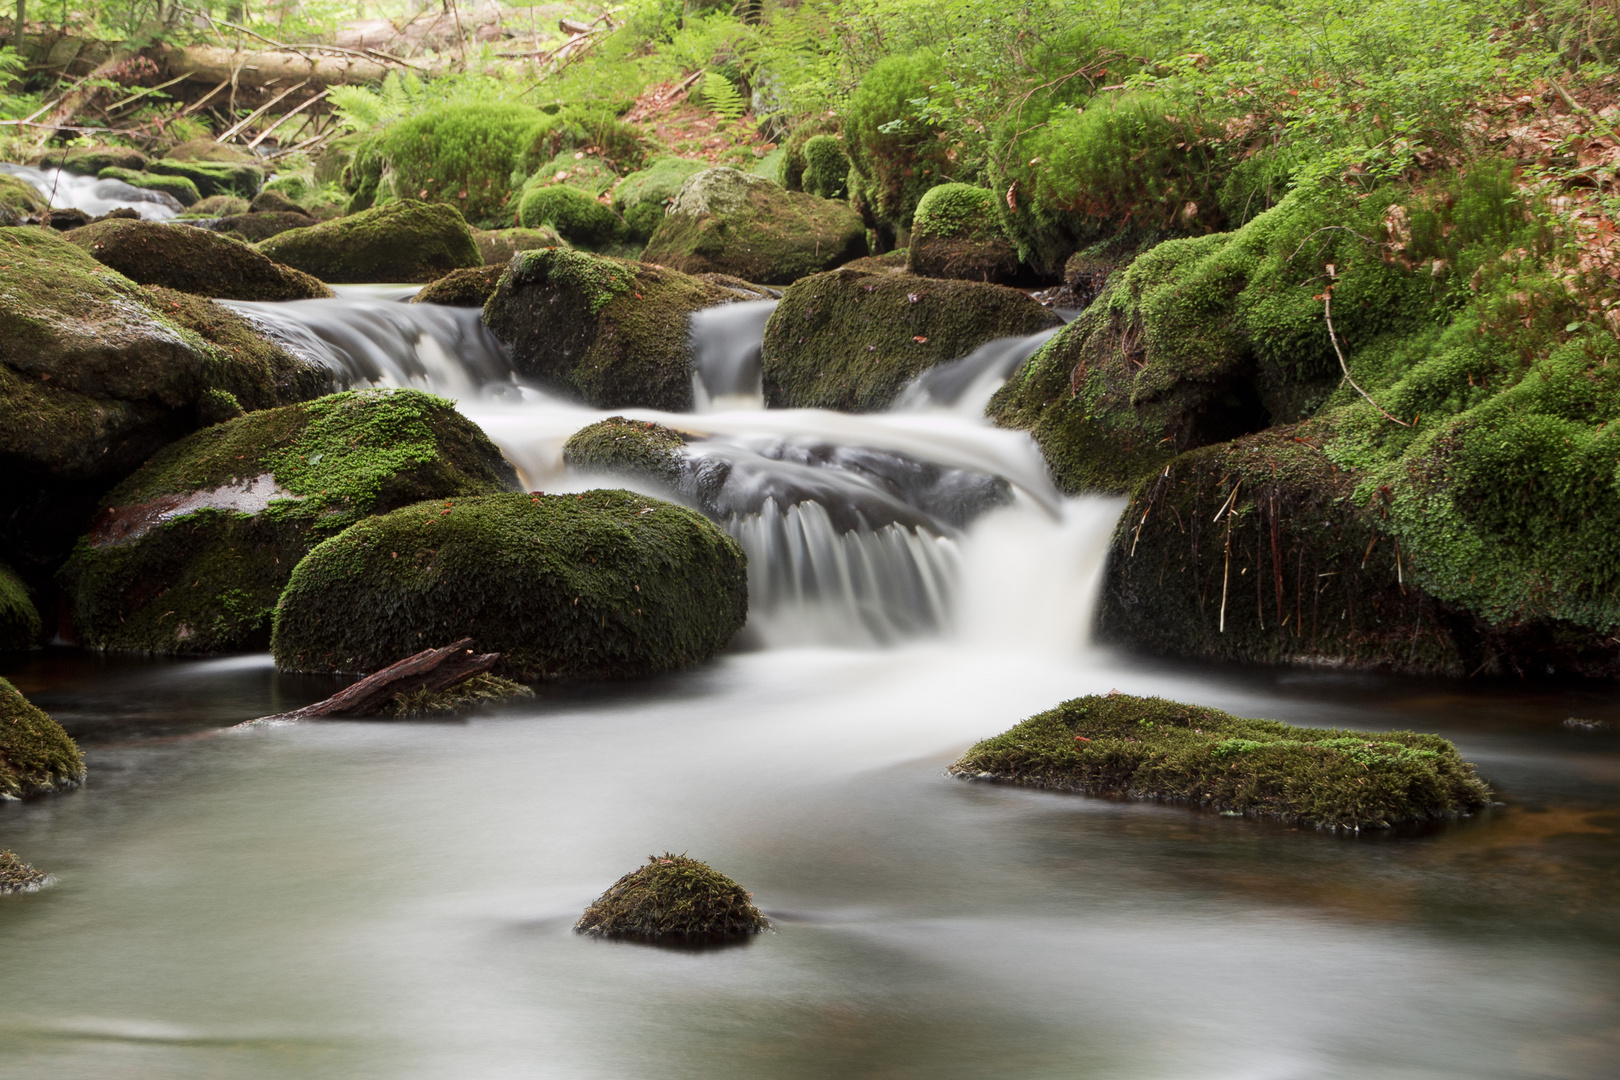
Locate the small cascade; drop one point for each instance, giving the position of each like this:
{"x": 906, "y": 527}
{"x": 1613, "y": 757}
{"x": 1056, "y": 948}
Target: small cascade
{"x": 71, "y": 191}
{"x": 966, "y": 385}
{"x": 727, "y": 343}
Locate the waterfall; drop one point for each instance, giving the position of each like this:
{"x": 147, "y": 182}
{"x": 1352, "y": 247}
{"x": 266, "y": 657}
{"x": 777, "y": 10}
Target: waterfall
{"x": 727, "y": 343}
{"x": 70, "y": 191}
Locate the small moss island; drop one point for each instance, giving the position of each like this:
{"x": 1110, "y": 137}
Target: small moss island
{"x": 1152, "y": 748}
{"x": 675, "y": 900}
{"x": 17, "y": 876}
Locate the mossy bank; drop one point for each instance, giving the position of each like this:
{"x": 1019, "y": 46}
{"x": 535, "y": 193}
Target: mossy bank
{"x": 36, "y": 756}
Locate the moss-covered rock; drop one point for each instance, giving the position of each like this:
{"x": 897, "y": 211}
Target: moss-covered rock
{"x": 20, "y": 624}
{"x": 405, "y": 241}
{"x": 205, "y": 148}
{"x": 180, "y": 188}
{"x": 463, "y": 156}
{"x": 36, "y": 756}
{"x": 471, "y": 287}
{"x": 19, "y": 196}
{"x": 642, "y": 197}
{"x": 255, "y": 228}
{"x": 213, "y": 177}
{"x": 189, "y": 554}
{"x": 578, "y": 169}
{"x": 890, "y": 262}
{"x": 271, "y": 201}
{"x": 604, "y": 585}
{"x": 609, "y": 332}
{"x": 826, "y": 167}
{"x": 1151, "y": 748}
{"x": 193, "y": 260}
{"x": 956, "y": 234}
{"x": 90, "y": 160}
{"x": 220, "y": 206}
{"x": 730, "y": 222}
{"x": 497, "y": 246}
{"x": 17, "y": 876}
{"x": 674, "y": 899}
{"x": 575, "y": 214}
{"x": 632, "y": 448}
{"x": 850, "y": 341}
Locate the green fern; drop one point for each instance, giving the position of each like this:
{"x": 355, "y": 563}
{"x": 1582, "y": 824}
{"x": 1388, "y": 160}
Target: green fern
{"x": 359, "y": 109}
{"x": 721, "y": 96}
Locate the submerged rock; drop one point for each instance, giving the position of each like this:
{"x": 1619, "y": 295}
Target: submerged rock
{"x": 730, "y": 222}
{"x": 497, "y": 246}
{"x": 609, "y": 332}
{"x": 471, "y": 287}
{"x": 36, "y": 756}
{"x": 17, "y": 876}
{"x": 190, "y": 553}
{"x": 194, "y": 260}
{"x": 404, "y": 241}
{"x": 20, "y": 624}
{"x": 603, "y": 585}
{"x": 1151, "y": 748}
{"x": 674, "y": 899}
{"x": 956, "y": 234}
{"x": 850, "y": 340}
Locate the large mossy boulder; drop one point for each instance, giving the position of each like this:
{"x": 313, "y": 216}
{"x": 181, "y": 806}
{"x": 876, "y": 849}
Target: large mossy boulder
{"x": 606, "y": 331}
{"x": 603, "y": 585}
{"x": 20, "y": 624}
{"x": 638, "y": 449}
{"x": 642, "y": 197}
{"x": 497, "y": 246}
{"x": 404, "y": 241}
{"x": 726, "y": 221}
{"x": 956, "y": 234}
{"x": 674, "y": 899}
{"x": 193, "y": 260}
{"x": 189, "y": 554}
{"x": 851, "y": 340}
{"x": 36, "y": 756}
{"x": 213, "y": 177}
{"x": 90, "y": 160}
{"x": 1151, "y": 748}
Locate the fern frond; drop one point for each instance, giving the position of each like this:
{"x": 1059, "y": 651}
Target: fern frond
{"x": 721, "y": 96}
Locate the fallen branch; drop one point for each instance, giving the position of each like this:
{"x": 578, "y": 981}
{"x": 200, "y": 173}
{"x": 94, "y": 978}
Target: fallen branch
{"x": 294, "y": 111}
{"x": 1327, "y": 311}
{"x": 260, "y": 111}
{"x": 430, "y": 669}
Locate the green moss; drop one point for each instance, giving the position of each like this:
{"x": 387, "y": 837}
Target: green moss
{"x": 897, "y": 155}
{"x": 273, "y": 202}
{"x": 602, "y": 585}
{"x": 728, "y": 222}
{"x": 17, "y": 876}
{"x": 676, "y": 899}
{"x": 1151, "y": 748}
{"x": 497, "y": 246}
{"x": 956, "y": 234}
{"x": 476, "y": 691}
{"x": 190, "y": 553}
{"x": 637, "y": 448}
{"x": 826, "y": 167}
{"x": 577, "y": 169}
{"x": 36, "y": 756}
{"x": 851, "y": 341}
{"x": 20, "y": 625}
{"x": 610, "y": 332}
{"x": 405, "y": 241}
{"x": 254, "y": 228}
{"x": 183, "y": 189}
{"x": 792, "y": 162}
{"x": 213, "y": 177}
{"x": 642, "y": 197}
{"x": 471, "y": 287}
{"x": 19, "y": 196}
{"x": 575, "y": 214}
{"x": 193, "y": 260}
{"x": 583, "y": 127}
{"x": 90, "y": 160}
{"x": 220, "y": 206}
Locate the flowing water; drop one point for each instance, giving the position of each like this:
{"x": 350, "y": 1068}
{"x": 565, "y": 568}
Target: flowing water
{"x": 354, "y": 899}
{"x": 71, "y": 191}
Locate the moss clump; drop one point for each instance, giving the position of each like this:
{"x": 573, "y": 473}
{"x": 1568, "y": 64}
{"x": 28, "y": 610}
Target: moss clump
{"x": 213, "y": 177}
{"x": 577, "y": 169}
{"x": 850, "y": 341}
{"x": 604, "y": 585}
{"x": 497, "y": 246}
{"x": 182, "y": 189}
{"x": 253, "y": 228}
{"x": 826, "y": 167}
{"x": 190, "y": 553}
{"x": 642, "y": 197}
{"x": 476, "y": 691}
{"x": 405, "y": 241}
{"x": 575, "y": 214}
{"x": 218, "y": 206}
{"x": 610, "y": 332}
{"x": 19, "y": 196}
{"x": 580, "y": 127}
{"x": 956, "y": 234}
{"x": 193, "y": 260}
{"x": 1151, "y": 748}
{"x": 20, "y": 625}
{"x": 674, "y": 899}
{"x": 471, "y": 287}
{"x": 17, "y": 876}
{"x": 637, "y": 448}
{"x": 458, "y": 155}
{"x": 36, "y": 756}
{"x": 897, "y": 154}
{"x": 729, "y": 222}
{"x": 271, "y": 201}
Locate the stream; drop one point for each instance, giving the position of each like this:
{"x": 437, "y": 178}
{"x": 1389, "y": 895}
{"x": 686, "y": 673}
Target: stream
{"x": 395, "y": 900}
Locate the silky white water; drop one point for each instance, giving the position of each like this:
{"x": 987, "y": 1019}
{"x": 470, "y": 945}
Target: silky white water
{"x": 71, "y": 191}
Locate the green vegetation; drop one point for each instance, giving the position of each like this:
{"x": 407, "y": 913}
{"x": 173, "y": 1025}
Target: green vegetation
{"x": 193, "y": 260}
{"x": 1151, "y": 748}
{"x": 36, "y": 756}
{"x": 573, "y": 212}
{"x": 674, "y": 899}
{"x": 955, "y": 233}
{"x": 642, "y": 197}
{"x": 478, "y": 690}
{"x": 635, "y": 448}
{"x": 20, "y": 625}
{"x": 183, "y": 189}
{"x": 404, "y": 241}
{"x": 896, "y": 151}
{"x": 604, "y": 585}
{"x": 826, "y": 167}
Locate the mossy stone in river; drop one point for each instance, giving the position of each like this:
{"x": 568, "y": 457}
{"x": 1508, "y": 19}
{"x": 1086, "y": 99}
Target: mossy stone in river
{"x": 609, "y": 332}
{"x": 19, "y": 196}
{"x": 674, "y": 899}
{"x": 497, "y": 246}
{"x": 20, "y": 624}
{"x": 635, "y": 448}
{"x": 17, "y": 876}
{"x": 190, "y": 553}
{"x": 726, "y": 221}
{"x": 213, "y": 177}
{"x": 254, "y": 228}
{"x": 1151, "y": 748}
{"x": 956, "y": 234}
{"x": 404, "y": 241}
{"x": 218, "y": 206}
{"x": 182, "y": 189}
{"x": 36, "y": 756}
{"x": 90, "y": 160}
{"x": 193, "y": 260}
{"x": 602, "y": 585}
{"x": 850, "y": 340}
{"x": 471, "y": 287}
{"x": 270, "y": 201}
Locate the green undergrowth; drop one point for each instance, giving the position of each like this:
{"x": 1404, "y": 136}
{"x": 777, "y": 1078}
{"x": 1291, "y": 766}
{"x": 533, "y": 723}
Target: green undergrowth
{"x": 479, "y": 690}
{"x": 642, "y": 197}
{"x": 676, "y": 899}
{"x": 1152, "y": 748}
{"x": 36, "y": 756}
{"x": 575, "y": 213}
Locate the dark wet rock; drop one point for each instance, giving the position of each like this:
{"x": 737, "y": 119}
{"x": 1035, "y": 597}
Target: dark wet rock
{"x": 194, "y": 260}
{"x": 471, "y": 287}
{"x": 36, "y": 756}
{"x": 674, "y": 899}
{"x": 270, "y": 201}
{"x": 603, "y": 585}
{"x": 404, "y": 241}
{"x": 189, "y": 554}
